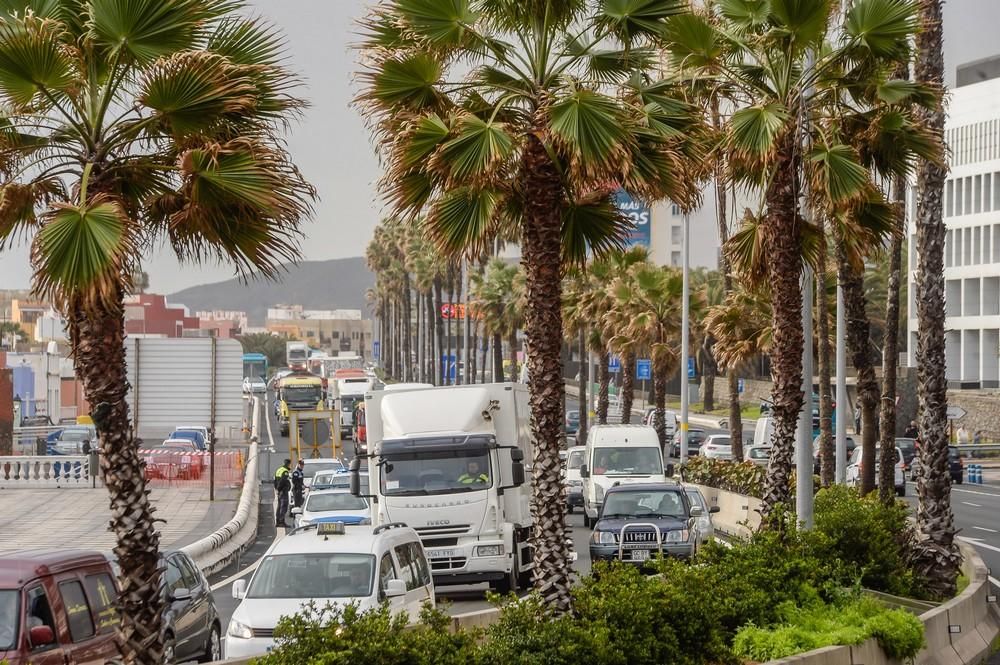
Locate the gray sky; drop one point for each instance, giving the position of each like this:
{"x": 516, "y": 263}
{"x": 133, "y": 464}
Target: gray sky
{"x": 331, "y": 144}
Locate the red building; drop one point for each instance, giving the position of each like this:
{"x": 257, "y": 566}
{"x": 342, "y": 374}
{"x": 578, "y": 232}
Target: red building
{"x": 149, "y": 314}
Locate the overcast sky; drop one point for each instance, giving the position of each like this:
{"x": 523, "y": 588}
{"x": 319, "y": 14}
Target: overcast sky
{"x": 332, "y": 147}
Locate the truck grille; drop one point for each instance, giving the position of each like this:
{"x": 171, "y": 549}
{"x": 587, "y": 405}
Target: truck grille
{"x": 447, "y": 564}
{"x": 440, "y": 542}
{"x": 263, "y": 632}
{"x": 445, "y": 530}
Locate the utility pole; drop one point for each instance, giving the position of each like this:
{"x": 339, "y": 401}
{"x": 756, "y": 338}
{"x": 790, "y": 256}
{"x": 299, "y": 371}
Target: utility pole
{"x": 685, "y": 329}
{"x": 841, "y": 415}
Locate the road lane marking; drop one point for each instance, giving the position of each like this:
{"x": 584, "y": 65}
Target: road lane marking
{"x": 982, "y": 528}
{"x": 995, "y": 581}
{"x": 976, "y": 542}
{"x": 955, "y": 489}
{"x": 974, "y": 505}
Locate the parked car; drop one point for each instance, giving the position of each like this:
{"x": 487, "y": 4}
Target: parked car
{"x": 76, "y": 440}
{"x": 333, "y": 505}
{"x": 956, "y": 465}
{"x": 757, "y": 455}
{"x": 909, "y": 449}
{"x": 851, "y": 446}
{"x": 571, "y": 476}
{"x": 175, "y": 459}
{"x": 315, "y": 465}
{"x": 706, "y": 529}
{"x": 696, "y": 437}
{"x": 199, "y": 439}
{"x": 717, "y": 446}
{"x": 572, "y": 421}
{"x": 329, "y": 563}
{"x": 254, "y": 385}
{"x": 854, "y": 470}
{"x": 57, "y": 606}
{"x": 638, "y": 521}
{"x": 193, "y": 428}
{"x": 335, "y": 479}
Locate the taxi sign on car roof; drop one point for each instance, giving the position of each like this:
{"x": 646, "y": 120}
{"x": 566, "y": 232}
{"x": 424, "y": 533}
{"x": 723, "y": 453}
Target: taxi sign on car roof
{"x": 330, "y": 529}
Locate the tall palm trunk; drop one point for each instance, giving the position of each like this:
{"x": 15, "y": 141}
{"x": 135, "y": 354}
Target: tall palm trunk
{"x": 628, "y": 387}
{"x": 858, "y": 342}
{"x": 497, "y": 359}
{"x": 420, "y": 339}
{"x": 709, "y": 368}
{"x": 451, "y": 319}
{"x": 827, "y": 461}
{"x": 937, "y": 556}
{"x": 582, "y": 399}
{"x": 474, "y": 351}
{"x": 512, "y": 354}
{"x": 486, "y": 351}
{"x": 604, "y": 373}
{"x": 98, "y": 341}
{"x": 542, "y": 260}
{"x": 782, "y": 229}
{"x": 407, "y": 330}
{"x": 735, "y": 415}
{"x": 890, "y": 346}
{"x": 660, "y": 371}
{"x": 438, "y": 332}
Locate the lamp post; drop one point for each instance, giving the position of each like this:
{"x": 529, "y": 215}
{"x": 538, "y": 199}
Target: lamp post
{"x": 685, "y": 342}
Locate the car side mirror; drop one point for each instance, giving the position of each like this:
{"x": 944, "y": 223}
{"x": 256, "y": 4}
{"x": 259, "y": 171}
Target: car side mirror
{"x": 517, "y": 473}
{"x": 395, "y": 588}
{"x": 41, "y": 636}
{"x": 239, "y": 589}
{"x": 714, "y": 509}
{"x": 696, "y": 511}
{"x": 584, "y": 471}
{"x": 296, "y": 511}
{"x": 180, "y": 594}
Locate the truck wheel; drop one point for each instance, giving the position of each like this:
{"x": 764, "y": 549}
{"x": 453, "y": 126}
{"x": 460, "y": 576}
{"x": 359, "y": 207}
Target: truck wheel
{"x": 587, "y": 522}
{"x": 509, "y": 581}
{"x": 524, "y": 579}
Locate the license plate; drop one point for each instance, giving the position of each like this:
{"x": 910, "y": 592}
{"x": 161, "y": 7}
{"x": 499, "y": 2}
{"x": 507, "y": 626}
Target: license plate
{"x": 640, "y": 555}
{"x": 440, "y": 554}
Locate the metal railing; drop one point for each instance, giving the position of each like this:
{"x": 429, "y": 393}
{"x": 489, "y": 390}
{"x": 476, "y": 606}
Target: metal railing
{"x": 977, "y": 447}
{"x": 45, "y": 471}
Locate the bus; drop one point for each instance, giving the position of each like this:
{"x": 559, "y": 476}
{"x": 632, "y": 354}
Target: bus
{"x": 254, "y": 366}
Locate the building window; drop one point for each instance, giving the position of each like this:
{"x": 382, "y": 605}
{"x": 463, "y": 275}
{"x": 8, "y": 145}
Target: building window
{"x": 675, "y": 210}
{"x": 675, "y": 258}
{"x": 987, "y": 192}
{"x": 949, "y": 198}
{"x": 977, "y": 194}
{"x": 977, "y": 246}
{"x": 967, "y": 200}
{"x": 996, "y": 243}
{"x": 335, "y": 334}
{"x": 958, "y": 197}
{"x": 949, "y": 246}
{"x": 676, "y": 235}
{"x": 987, "y": 246}
{"x": 967, "y": 248}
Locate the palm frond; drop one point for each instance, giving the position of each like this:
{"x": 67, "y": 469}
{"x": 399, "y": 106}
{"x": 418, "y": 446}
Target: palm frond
{"x": 33, "y": 61}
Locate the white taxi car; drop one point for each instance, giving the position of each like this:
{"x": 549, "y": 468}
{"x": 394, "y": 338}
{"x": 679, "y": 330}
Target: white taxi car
{"x": 337, "y": 505}
{"x": 329, "y": 563}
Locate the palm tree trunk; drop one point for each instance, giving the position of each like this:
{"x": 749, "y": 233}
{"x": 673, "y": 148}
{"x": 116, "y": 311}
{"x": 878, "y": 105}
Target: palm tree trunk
{"x": 497, "y": 359}
{"x": 735, "y": 414}
{"x": 890, "y": 346}
{"x": 420, "y": 339}
{"x": 937, "y": 557}
{"x": 486, "y": 351}
{"x": 474, "y": 351}
{"x": 583, "y": 397}
{"x": 783, "y": 244}
{"x": 541, "y": 245}
{"x": 98, "y": 341}
{"x": 859, "y": 344}
{"x": 407, "y": 329}
{"x": 628, "y": 387}
{"x": 709, "y": 368}
{"x": 827, "y": 461}
{"x": 438, "y": 332}
{"x": 512, "y": 354}
{"x": 605, "y": 383}
{"x": 660, "y": 371}
{"x": 451, "y": 319}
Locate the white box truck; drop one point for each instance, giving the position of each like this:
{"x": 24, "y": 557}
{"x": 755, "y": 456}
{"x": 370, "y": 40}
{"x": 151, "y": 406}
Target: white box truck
{"x": 450, "y": 462}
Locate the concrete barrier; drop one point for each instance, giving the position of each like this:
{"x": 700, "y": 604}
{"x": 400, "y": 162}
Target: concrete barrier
{"x": 216, "y": 550}
{"x": 58, "y": 471}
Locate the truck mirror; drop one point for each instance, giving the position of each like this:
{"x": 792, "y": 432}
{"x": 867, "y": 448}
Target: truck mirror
{"x": 584, "y": 471}
{"x": 517, "y": 455}
{"x": 355, "y": 477}
{"x": 517, "y": 474}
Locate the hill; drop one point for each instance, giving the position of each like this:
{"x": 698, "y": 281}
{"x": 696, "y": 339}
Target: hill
{"x": 333, "y": 284}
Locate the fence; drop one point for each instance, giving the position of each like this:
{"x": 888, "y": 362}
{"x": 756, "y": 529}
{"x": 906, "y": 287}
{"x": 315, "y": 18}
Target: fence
{"x": 45, "y": 471}
{"x": 166, "y": 468}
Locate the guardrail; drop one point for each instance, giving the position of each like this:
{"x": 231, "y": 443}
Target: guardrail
{"x": 977, "y": 447}
{"x": 216, "y": 550}
{"x": 27, "y": 471}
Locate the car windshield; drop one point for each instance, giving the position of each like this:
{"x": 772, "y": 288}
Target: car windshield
{"x": 301, "y": 393}
{"x": 759, "y": 453}
{"x": 176, "y": 445}
{"x": 721, "y": 441}
{"x": 439, "y": 472}
{"x": 575, "y": 460}
{"x": 632, "y": 504}
{"x": 628, "y": 461}
{"x": 319, "y": 575}
{"x": 190, "y": 435}
{"x": 321, "y": 503}
{"x": 310, "y": 470}
{"x": 75, "y": 435}
{"x": 8, "y": 618}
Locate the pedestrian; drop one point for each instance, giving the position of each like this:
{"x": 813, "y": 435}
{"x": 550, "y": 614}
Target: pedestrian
{"x": 299, "y": 484}
{"x": 977, "y": 438}
{"x": 963, "y": 436}
{"x": 281, "y": 486}
{"x": 912, "y": 431}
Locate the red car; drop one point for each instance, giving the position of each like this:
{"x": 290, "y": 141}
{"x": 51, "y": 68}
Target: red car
{"x": 175, "y": 459}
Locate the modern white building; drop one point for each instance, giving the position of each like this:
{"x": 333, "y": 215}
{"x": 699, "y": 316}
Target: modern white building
{"x": 972, "y": 244}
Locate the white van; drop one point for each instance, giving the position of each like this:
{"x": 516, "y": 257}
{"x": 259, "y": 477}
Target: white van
{"x": 617, "y": 454}
{"x": 329, "y": 563}
{"x": 764, "y": 431}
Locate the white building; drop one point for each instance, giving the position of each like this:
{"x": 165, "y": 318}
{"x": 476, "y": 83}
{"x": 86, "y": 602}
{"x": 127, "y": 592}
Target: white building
{"x": 972, "y": 244}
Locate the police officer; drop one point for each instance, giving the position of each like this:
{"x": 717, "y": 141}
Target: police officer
{"x": 281, "y": 486}
{"x": 299, "y": 484}
{"x": 473, "y": 475}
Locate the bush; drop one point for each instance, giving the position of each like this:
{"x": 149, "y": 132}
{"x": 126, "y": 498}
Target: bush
{"x": 740, "y": 477}
{"x": 899, "y": 633}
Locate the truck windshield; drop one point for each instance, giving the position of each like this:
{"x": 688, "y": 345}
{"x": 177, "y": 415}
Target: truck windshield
{"x": 314, "y": 576}
{"x": 438, "y": 472}
{"x": 8, "y": 618}
{"x": 628, "y": 461}
{"x": 301, "y": 394}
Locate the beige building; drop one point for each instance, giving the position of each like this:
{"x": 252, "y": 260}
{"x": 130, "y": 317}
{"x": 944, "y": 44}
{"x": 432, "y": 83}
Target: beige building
{"x": 332, "y": 331}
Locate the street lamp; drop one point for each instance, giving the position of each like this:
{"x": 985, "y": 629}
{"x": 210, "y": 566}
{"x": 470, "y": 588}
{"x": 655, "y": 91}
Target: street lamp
{"x": 685, "y": 325}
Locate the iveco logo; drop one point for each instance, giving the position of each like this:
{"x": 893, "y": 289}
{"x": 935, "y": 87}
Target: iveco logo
{"x": 438, "y": 522}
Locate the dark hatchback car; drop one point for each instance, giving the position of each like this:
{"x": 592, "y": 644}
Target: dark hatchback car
{"x": 572, "y": 421}
{"x": 191, "y": 624}
{"x": 956, "y": 465}
{"x": 633, "y": 515}
{"x": 696, "y": 437}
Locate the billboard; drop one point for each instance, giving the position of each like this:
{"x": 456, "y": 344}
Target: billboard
{"x": 639, "y": 213}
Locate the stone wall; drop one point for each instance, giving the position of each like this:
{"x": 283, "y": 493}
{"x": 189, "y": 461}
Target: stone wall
{"x": 982, "y": 411}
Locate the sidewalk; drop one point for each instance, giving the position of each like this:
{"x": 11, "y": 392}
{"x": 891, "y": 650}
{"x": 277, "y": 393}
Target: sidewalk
{"x": 79, "y": 518}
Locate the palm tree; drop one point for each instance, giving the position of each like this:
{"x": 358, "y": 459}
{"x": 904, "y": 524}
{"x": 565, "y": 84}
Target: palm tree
{"x": 576, "y": 288}
{"x": 937, "y": 557}
{"x": 778, "y": 94}
{"x": 126, "y": 123}
{"x": 528, "y": 115}
{"x": 498, "y": 299}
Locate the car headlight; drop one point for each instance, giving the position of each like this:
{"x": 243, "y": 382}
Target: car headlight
{"x": 676, "y": 536}
{"x": 575, "y": 483}
{"x": 239, "y": 630}
{"x": 489, "y": 550}
{"x": 604, "y": 537}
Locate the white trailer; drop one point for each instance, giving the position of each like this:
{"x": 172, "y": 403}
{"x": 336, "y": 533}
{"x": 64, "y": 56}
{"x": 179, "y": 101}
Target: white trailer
{"x": 296, "y": 354}
{"x": 450, "y": 462}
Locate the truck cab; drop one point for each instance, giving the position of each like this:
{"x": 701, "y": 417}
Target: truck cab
{"x": 299, "y": 391}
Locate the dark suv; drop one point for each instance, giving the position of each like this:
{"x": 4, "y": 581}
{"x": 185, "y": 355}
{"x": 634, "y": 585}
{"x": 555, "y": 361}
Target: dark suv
{"x": 696, "y": 437}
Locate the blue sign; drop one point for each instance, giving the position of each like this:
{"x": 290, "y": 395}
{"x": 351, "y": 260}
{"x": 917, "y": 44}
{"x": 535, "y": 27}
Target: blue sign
{"x": 376, "y": 349}
{"x": 739, "y": 382}
{"x": 639, "y": 214}
{"x": 691, "y": 372}
{"x": 451, "y": 367}
{"x": 614, "y": 364}
{"x": 644, "y": 369}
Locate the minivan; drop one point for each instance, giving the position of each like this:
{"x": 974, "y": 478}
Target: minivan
{"x": 615, "y": 455}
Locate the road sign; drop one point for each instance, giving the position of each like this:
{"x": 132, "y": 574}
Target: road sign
{"x": 691, "y": 372}
{"x": 376, "y": 349}
{"x": 614, "y": 364}
{"x": 451, "y": 367}
{"x": 741, "y": 385}
{"x": 956, "y": 413}
{"x": 644, "y": 369}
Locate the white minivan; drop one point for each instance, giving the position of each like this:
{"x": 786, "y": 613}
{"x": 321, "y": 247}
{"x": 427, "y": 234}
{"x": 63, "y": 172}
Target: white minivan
{"x": 329, "y": 563}
{"x": 617, "y": 454}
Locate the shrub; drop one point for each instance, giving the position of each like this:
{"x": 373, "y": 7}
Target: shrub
{"x": 899, "y": 633}
{"x": 742, "y": 477}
